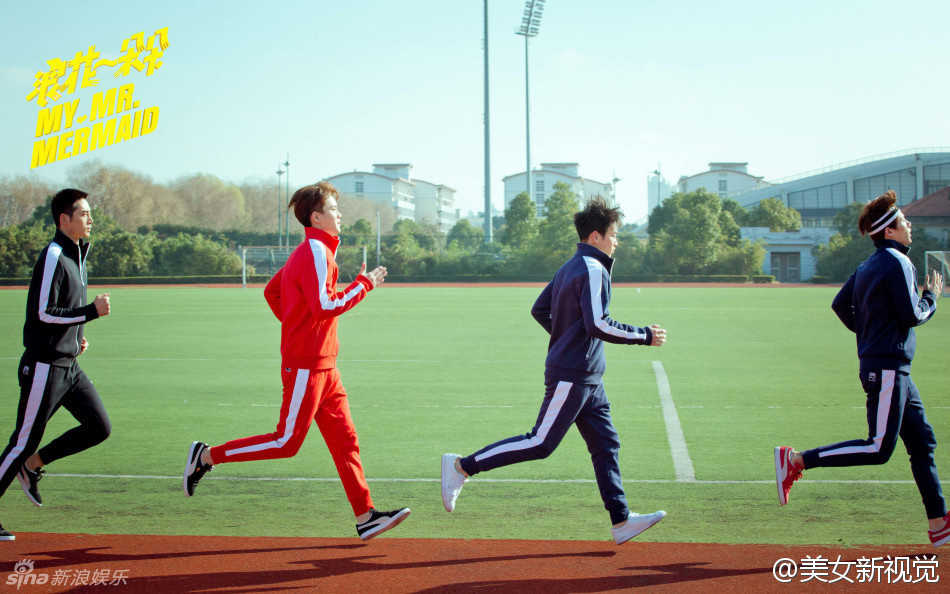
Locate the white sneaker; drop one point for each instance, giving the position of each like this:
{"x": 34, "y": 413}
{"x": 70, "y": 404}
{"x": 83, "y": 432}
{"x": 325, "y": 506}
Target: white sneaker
{"x": 634, "y": 525}
{"x": 452, "y": 481}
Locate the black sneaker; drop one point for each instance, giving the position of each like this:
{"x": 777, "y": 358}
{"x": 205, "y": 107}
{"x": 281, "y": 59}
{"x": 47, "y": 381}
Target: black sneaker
{"x": 194, "y": 469}
{"x": 6, "y": 535}
{"x": 28, "y": 479}
{"x": 380, "y": 522}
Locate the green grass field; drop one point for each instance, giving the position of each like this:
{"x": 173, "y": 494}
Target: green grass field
{"x": 432, "y": 370}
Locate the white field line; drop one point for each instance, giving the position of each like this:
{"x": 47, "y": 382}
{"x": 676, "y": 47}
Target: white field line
{"x": 682, "y": 465}
{"x": 475, "y": 480}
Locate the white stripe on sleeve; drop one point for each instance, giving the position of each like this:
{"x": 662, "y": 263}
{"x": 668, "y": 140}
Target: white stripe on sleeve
{"x": 49, "y": 267}
{"x": 911, "y": 282}
{"x": 595, "y": 271}
{"x": 320, "y": 263}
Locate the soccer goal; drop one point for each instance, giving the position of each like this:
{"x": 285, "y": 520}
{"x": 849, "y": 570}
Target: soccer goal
{"x": 262, "y": 259}
{"x": 939, "y": 261}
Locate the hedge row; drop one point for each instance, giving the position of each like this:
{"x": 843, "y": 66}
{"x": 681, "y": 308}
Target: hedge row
{"x": 458, "y": 278}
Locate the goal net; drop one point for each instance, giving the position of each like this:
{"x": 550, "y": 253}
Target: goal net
{"x": 262, "y": 259}
{"x": 939, "y": 261}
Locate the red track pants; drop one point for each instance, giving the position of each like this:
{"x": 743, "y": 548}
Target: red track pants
{"x": 309, "y": 394}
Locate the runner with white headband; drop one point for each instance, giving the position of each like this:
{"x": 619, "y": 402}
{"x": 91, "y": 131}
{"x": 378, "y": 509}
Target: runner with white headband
{"x": 880, "y": 304}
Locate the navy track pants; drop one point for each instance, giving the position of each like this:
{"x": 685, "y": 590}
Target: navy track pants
{"x": 566, "y": 404}
{"x": 894, "y": 408}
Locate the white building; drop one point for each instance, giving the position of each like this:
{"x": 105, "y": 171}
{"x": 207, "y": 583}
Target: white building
{"x": 658, "y": 190}
{"x": 391, "y": 184}
{"x": 543, "y": 180}
{"x": 789, "y": 255}
{"x": 435, "y": 204}
{"x": 723, "y": 178}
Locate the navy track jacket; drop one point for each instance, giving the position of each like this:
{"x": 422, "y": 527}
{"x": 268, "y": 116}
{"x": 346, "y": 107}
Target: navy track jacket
{"x": 880, "y": 304}
{"x": 573, "y": 309}
{"x": 56, "y": 307}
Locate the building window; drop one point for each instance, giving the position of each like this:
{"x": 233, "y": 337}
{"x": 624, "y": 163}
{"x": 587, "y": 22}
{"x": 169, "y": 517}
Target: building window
{"x": 723, "y": 185}
{"x": 359, "y": 187}
{"x": 539, "y": 186}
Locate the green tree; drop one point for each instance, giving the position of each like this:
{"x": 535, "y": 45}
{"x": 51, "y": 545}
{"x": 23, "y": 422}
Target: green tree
{"x": 466, "y": 236}
{"x": 739, "y": 214}
{"x": 556, "y": 233}
{"x": 557, "y": 227}
{"x": 776, "y": 216}
{"x": 121, "y": 254}
{"x": 193, "y": 254}
{"x": 689, "y": 235}
{"x": 359, "y": 233}
{"x": 837, "y": 259}
{"x": 521, "y": 222}
{"x": 846, "y": 220}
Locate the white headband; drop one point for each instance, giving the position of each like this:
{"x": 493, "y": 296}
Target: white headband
{"x": 884, "y": 221}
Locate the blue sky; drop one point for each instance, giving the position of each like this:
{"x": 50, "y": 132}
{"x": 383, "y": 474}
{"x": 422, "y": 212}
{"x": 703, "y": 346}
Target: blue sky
{"x": 618, "y": 87}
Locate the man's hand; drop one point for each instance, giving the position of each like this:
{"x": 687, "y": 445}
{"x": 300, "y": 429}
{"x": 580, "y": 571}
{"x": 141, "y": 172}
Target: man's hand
{"x": 934, "y": 284}
{"x": 83, "y": 346}
{"x": 103, "y": 307}
{"x": 375, "y": 276}
{"x": 659, "y": 335}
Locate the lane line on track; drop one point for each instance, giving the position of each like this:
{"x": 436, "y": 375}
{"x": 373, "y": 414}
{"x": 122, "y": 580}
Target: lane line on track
{"x": 682, "y": 464}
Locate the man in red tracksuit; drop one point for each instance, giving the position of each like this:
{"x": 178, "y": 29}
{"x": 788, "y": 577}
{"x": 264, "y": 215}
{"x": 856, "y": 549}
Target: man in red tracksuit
{"x": 304, "y": 298}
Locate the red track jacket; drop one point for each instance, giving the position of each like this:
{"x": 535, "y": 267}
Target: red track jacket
{"x": 304, "y": 298}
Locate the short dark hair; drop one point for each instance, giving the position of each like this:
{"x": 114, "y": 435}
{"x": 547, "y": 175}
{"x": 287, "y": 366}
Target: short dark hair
{"x": 64, "y": 202}
{"x": 873, "y": 211}
{"x": 596, "y": 216}
{"x": 310, "y": 199}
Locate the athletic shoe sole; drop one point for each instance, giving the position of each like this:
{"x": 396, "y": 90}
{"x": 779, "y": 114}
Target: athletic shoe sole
{"x": 649, "y": 520}
{"x": 8, "y": 537}
{"x": 392, "y": 523}
{"x": 448, "y": 470}
{"x": 25, "y": 483}
{"x": 194, "y": 458}
{"x": 780, "y": 474}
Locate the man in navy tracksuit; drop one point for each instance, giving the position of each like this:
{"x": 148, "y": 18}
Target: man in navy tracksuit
{"x": 56, "y": 311}
{"x": 880, "y": 304}
{"x": 573, "y": 309}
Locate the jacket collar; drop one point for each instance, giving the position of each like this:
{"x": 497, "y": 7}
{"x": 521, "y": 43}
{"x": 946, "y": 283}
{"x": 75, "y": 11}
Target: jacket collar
{"x": 69, "y": 246}
{"x": 331, "y": 241}
{"x": 585, "y": 250}
{"x": 890, "y": 243}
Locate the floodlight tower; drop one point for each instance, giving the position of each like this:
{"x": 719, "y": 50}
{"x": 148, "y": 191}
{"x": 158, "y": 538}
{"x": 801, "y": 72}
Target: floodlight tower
{"x": 488, "y": 221}
{"x": 287, "y": 196}
{"x": 280, "y": 172}
{"x": 530, "y": 25}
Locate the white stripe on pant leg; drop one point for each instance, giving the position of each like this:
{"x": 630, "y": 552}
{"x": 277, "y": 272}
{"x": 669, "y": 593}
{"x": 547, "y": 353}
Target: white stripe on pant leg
{"x": 37, "y": 389}
{"x": 300, "y": 388}
{"x": 883, "y": 414}
{"x": 550, "y": 415}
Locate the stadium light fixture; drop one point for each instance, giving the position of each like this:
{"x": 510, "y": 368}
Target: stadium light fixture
{"x": 280, "y": 172}
{"x": 530, "y": 26}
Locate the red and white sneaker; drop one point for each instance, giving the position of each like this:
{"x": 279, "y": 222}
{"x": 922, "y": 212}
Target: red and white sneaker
{"x": 941, "y": 536}
{"x": 785, "y": 473}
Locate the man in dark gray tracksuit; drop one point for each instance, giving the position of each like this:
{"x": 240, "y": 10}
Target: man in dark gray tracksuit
{"x": 49, "y": 376}
{"x": 573, "y": 309}
{"x": 880, "y": 304}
